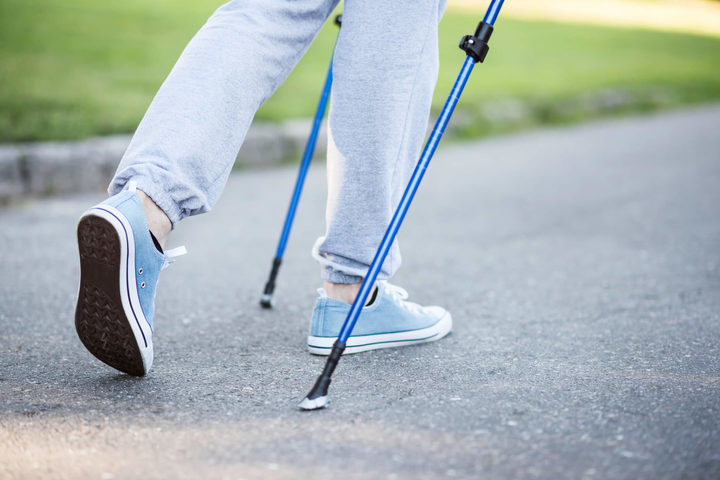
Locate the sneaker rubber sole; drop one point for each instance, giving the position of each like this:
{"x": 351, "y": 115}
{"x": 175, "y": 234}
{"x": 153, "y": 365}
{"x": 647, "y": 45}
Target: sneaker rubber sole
{"x": 108, "y": 320}
{"x": 362, "y": 343}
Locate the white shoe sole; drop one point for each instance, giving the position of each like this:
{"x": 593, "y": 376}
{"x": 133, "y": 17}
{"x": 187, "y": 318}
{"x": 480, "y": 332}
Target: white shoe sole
{"x": 362, "y": 343}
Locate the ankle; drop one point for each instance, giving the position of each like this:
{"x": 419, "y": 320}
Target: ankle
{"x": 158, "y": 222}
{"x": 344, "y": 292}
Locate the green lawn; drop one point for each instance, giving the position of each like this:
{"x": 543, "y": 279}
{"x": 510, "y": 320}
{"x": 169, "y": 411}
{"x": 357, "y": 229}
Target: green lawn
{"x": 76, "y": 68}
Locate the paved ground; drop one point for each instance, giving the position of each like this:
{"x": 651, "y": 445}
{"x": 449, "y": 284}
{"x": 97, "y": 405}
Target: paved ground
{"x": 582, "y": 267}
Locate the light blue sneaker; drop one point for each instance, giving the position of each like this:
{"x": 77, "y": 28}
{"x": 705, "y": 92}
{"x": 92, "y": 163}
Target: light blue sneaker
{"x": 390, "y": 321}
{"x": 119, "y": 267}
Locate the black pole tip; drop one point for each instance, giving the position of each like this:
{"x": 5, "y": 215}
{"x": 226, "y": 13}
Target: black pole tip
{"x": 266, "y": 301}
{"x": 317, "y": 398}
{"x": 267, "y": 296}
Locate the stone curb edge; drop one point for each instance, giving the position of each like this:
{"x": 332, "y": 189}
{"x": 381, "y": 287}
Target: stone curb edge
{"x": 49, "y": 168}
{"x": 52, "y": 168}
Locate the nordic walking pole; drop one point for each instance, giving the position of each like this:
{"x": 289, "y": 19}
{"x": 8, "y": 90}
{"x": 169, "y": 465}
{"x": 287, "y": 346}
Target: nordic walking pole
{"x": 266, "y": 299}
{"x": 476, "y": 47}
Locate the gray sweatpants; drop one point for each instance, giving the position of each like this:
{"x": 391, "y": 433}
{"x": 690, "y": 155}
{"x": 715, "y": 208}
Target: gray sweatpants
{"x": 384, "y": 73}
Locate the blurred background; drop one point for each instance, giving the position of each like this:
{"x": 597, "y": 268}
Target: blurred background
{"x": 582, "y": 270}
{"x": 73, "y": 69}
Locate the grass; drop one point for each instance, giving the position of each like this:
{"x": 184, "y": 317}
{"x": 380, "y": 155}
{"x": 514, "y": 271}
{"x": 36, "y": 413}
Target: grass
{"x": 559, "y": 73}
{"x": 77, "y": 68}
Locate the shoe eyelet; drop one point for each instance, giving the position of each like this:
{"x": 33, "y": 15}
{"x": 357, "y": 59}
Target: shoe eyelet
{"x": 140, "y": 271}
{"x": 142, "y": 285}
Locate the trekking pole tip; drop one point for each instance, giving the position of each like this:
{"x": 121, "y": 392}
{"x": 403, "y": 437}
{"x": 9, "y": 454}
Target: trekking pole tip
{"x": 318, "y": 396}
{"x": 315, "y": 404}
{"x": 266, "y": 300}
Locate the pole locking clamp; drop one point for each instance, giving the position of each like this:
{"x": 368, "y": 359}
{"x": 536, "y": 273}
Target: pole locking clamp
{"x": 477, "y": 45}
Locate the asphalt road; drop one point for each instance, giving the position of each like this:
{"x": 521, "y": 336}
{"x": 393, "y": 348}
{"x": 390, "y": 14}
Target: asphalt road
{"x": 581, "y": 266}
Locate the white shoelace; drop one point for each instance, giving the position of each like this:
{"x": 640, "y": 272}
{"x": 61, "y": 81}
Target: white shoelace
{"x": 171, "y": 255}
{"x": 399, "y": 296}
{"x": 398, "y": 292}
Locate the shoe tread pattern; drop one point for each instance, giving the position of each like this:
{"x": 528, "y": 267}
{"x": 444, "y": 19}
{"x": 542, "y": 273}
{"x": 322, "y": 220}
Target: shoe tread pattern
{"x": 100, "y": 320}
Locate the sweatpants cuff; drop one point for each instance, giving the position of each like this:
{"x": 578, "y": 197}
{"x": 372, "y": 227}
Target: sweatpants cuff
{"x": 163, "y": 188}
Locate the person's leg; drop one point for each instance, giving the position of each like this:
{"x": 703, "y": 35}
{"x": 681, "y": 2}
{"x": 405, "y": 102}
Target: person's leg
{"x": 187, "y": 142}
{"x": 157, "y": 220}
{"x": 177, "y": 165}
{"x": 384, "y": 72}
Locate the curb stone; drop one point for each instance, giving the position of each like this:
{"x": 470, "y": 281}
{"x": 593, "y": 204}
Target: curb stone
{"x": 50, "y": 168}
{"x": 40, "y": 169}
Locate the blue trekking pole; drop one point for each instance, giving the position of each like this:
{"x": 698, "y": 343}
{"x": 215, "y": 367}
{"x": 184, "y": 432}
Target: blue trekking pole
{"x": 476, "y": 48}
{"x": 267, "y": 296}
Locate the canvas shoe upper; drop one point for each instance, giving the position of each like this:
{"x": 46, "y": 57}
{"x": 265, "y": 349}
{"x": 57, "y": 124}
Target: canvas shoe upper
{"x": 390, "y": 321}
